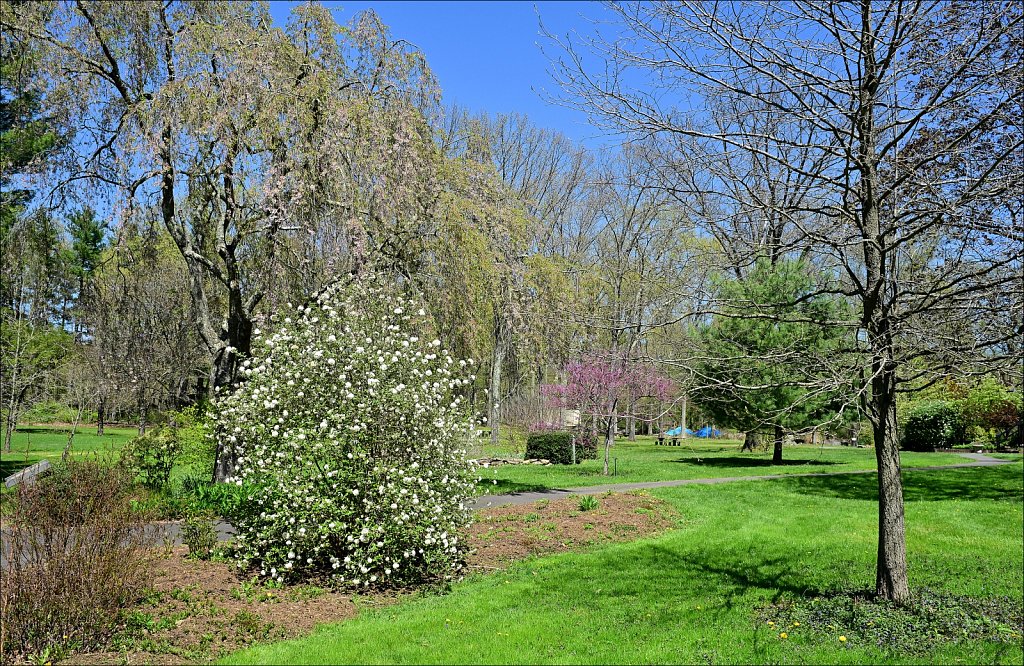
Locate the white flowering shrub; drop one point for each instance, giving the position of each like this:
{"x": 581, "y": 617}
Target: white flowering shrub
{"x": 350, "y": 432}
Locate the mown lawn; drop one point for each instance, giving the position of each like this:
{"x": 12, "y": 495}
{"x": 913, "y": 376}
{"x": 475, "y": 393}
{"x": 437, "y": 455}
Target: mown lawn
{"x": 704, "y": 593}
{"x": 643, "y": 460}
{"x": 31, "y": 444}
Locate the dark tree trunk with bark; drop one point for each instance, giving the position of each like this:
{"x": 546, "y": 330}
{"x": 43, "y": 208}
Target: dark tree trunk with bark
{"x": 631, "y": 422}
{"x": 609, "y": 436}
{"x": 101, "y": 414}
{"x": 751, "y": 441}
{"x": 777, "y": 453}
{"x": 891, "y": 580}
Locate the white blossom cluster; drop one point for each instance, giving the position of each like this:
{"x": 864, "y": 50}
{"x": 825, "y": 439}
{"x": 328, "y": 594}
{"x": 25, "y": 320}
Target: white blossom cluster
{"x": 350, "y": 429}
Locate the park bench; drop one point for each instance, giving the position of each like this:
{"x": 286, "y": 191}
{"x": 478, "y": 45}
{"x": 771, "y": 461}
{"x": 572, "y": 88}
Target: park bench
{"x": 28, "y": 475}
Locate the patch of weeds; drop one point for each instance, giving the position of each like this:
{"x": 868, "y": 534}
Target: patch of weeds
{"x": 182, "y": 594}
{"x": 588, "y": 503}
{"x": 251, "y": 624}
{"x": 531, "y": 517}
{"x": 305, "y": 592}
{"x": 588, "y": 526}
{"x": 543, "y": 504}
{"x": 931, "y": 617}
{"x": 139, "y": 622}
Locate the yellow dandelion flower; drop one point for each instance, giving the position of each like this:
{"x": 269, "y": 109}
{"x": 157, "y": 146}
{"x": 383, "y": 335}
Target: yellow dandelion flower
{"x": 783, "y": 635}
{"x": 842, "y": 639}
{"x": 770, "y": 623}
{"x": 796, "y": 624}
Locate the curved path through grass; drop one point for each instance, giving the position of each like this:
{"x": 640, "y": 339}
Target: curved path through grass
{"x": 225, "y": 531}
{"x": 525, "y": 497}
{"x": 714, "y": 590}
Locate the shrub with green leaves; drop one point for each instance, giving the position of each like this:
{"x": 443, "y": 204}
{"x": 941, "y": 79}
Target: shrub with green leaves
{"x": 151, "y": 456}
{"x": 556, "y": 446}
{"x": 933, "y": 424}
{"x": 189, "y": 428}
{"x": 200, "y": 535}
{"x": 992, "y": 414}
{"x": 350, "y": 433}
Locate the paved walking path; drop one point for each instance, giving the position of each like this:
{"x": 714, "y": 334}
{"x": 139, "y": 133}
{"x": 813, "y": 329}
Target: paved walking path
{"x": 979, "y": 460}
{"x": 225, "y": 531}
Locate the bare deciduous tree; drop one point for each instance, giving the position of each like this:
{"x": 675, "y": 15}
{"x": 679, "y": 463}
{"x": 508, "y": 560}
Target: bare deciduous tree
{"x": 900, "y": 121}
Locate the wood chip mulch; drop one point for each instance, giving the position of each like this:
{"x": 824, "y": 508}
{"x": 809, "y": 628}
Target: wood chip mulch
{"x": 202, "y": 610}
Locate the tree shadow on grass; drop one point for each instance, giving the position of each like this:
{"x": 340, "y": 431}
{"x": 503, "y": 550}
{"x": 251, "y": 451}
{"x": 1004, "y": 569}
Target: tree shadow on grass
{"x": 44, "y": 430}
{"x": 729, "y": 575}
{"x": 738, "y": 461}
{"x": 10, "y": 466}
{"x": 1002, "y": 483}
{"x": 503, "y": 487}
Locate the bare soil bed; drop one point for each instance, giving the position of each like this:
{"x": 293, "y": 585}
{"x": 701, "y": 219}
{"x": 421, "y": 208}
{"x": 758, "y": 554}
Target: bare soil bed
{"x": 201, "y": 610}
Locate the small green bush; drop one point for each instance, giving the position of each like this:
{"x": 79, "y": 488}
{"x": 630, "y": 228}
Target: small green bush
{"x": 588, "y": 503}
{"x": 201, "y": 495}
{"x": 556, "y": 446}
{"x": 152, "y": 456}
{"x": 195, "y": 443}
{"x": 199, "y": 535}
{"x": 992, "y": 415}
{"x": 181, "y": 440}
{"x": 934, "y": 424}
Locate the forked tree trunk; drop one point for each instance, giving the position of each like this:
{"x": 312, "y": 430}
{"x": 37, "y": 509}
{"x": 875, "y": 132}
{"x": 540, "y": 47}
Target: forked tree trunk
{"x": 777, "y": 453}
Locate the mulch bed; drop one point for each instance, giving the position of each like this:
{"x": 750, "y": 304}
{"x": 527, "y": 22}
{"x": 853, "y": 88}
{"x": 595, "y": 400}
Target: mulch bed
{"x": 200, "y": 611}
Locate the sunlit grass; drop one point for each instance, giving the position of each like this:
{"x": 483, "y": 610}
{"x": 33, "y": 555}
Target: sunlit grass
{"x": 644, "y": 460}
{"x": 692, "y": 595}
{"x": 30, "y": 444}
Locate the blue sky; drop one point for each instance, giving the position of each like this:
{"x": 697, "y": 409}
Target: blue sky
{"x": 485, "y": 55}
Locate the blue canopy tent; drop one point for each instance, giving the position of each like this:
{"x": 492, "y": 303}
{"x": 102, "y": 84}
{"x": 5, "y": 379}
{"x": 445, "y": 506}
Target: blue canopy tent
{"x": 704, "y": 432}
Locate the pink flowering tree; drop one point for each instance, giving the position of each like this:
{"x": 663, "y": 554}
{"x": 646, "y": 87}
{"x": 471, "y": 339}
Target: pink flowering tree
{"x": 597, "y": 386}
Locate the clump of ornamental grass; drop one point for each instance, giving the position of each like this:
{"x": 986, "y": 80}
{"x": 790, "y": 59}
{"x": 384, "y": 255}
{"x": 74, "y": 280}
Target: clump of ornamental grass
{"x": 350, "y": 430}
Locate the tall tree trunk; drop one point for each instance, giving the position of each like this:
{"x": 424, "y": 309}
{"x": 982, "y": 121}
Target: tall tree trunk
{"x": 891, "y": 578}
{"x": 74, "y": 429}
{"x": 682, "y": 423}
{"x": 631, "y": 420}
{"x": 494, "y": 391}
{"x": 751, "y": 441}
{"x": 777, "y": 453}
{"x": 609, "y": 434}
{"x": 10, "y": 420}
{"x": 891, "y": 581}
{"x": 142, "y": 417}
{"x": 101, "y": 414}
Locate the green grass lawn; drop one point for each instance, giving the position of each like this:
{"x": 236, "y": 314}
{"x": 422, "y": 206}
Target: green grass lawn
{"x": 31, "y": 444}
{"x": 698, "y": 594}
{"x": 643, "y": 460}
